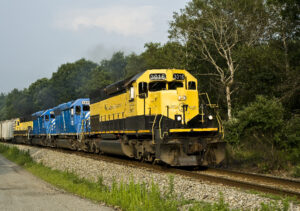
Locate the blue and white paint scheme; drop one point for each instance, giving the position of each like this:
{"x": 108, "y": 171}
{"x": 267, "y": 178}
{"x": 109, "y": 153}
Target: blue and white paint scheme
{"x": 62, "y": 112}
{"x": 48, "y": 118}
{"x": 73, "y": 117}
{"x": 37, "y": 123}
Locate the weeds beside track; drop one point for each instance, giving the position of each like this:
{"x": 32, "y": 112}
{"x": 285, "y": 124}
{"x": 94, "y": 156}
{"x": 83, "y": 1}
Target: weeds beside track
{"x": 131, "y": 196}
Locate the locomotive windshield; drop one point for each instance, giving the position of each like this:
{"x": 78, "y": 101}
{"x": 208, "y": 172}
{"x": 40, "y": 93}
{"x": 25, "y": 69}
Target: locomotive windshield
{"x": 161, "y": 85}
{"x": 157, "y": 86}
{"x": 174, "y": 85}
{"x": 85, "y": 107}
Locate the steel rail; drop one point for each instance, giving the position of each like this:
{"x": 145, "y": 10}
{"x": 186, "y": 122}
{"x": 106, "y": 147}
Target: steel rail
{"x": 201, "y": 176}
{"x": 198, "y": 175}
{"x": 253, "y": 176}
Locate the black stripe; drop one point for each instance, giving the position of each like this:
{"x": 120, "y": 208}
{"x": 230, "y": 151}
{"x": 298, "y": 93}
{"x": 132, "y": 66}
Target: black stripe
{"x": 133, "y": 123}
{"x": 20, "y": 132}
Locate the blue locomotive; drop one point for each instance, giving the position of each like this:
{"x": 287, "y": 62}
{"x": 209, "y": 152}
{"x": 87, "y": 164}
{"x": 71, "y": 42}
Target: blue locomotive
{"x": 70, "y": 119}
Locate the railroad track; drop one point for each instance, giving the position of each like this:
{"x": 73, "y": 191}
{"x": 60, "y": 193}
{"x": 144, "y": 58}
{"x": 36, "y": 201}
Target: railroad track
{"x": 258, "y": 182}
{"x": 248, "y": 181}
{"x": 280, "y": 183}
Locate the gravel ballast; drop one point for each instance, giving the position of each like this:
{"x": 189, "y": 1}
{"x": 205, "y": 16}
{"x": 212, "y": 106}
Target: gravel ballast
{"x": 183, "y": 186}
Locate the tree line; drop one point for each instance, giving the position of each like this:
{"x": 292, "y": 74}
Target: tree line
{"x": 245, "y": 55}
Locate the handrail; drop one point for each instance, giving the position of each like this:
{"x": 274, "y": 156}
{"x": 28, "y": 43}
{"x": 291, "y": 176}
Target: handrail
{"x": 208, "y": 99}
{"x": 153, "y": 128}
{"x": 221, "y": 128}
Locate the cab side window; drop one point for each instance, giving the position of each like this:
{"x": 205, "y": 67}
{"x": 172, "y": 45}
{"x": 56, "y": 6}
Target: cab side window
{"x": 47, "y": 117}
{"x": 143, "y": 89}
{"x": 192, "y": 85}
{"x": 77, "y": 110}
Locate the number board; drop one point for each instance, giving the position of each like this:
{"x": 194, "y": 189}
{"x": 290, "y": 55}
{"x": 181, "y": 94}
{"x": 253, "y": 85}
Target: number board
{"x": 157, "y": 76}
{"x": 85, "y": 102}
{"x": 178, "y": 76}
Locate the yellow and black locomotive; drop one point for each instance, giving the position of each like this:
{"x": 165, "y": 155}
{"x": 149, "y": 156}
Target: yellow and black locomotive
{"x": 157, "y": 115}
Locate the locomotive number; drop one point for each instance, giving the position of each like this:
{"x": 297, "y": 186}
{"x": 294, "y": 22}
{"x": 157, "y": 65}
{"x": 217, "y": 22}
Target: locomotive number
{"x": 157, "y": 76}
{"x": 178, "y": 76}
{"x": 85, "y": 102}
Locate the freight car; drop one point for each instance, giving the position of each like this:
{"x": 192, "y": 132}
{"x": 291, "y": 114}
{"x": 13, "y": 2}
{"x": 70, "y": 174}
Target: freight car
{"x": 7, "y": 129}
{"x": 157, "y": 115}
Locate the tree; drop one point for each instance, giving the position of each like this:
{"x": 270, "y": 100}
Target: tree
{"x": 135, "y": 64}
{"x": 284, "y": 31}
{"x": 263, "y": 73}
{"x": 98, "y": 79}
{"x": 2, "y": 106}
{"x": 67, "y": 82}
{"x": 284, "y": 23}
{"x": 116, "y": 66}
{"x": 18, "y": 104}
{"x": 42, "y": 94}
{"x": 170, "y": 55}
{"x": 216, "y": 28}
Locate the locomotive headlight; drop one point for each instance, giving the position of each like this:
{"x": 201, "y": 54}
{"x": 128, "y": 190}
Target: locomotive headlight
{"x": 181, "y": 97}
{"x": 178, "y": 118}
{"x": 210, "y": 117}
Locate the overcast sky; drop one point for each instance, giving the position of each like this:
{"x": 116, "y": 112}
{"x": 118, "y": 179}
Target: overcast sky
{"x": 37, "y": 36}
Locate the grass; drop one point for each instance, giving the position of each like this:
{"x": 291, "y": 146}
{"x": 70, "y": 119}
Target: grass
{"x": 285, "y": 199}
{"x": 256, "y": 157}
{"x": 132, "y": 196}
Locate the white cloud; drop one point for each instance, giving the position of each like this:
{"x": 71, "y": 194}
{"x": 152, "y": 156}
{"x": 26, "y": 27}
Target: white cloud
{"x": 121, "y": 20}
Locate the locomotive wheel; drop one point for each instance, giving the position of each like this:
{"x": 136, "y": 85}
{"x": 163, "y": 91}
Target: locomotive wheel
{"x": 139, "y": 156}
{"x": 149, "y": 158}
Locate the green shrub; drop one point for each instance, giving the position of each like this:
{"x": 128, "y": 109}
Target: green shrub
{"x": 232, "y": 132}
{"x": 259, "y": 136}
{"x": 256, "y": 134}
{"x": 291, "y": 142}
{"x": 296, "y": 171}
{"x": 261, "y": 120}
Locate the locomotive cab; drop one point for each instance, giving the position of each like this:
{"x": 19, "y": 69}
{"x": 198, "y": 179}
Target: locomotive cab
{"x": 171, "y": 96}
{"x": 48, "y": 122}
{"x": 79, "y": 115}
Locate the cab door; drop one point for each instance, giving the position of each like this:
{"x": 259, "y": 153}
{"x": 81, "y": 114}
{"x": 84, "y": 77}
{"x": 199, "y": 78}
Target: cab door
{"x": 77, "y": 118}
